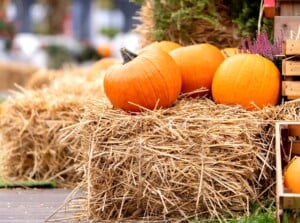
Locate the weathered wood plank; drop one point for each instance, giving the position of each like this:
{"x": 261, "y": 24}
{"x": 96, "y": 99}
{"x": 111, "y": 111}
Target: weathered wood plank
{"x": 31, "y": 205}
{"x": 286, "y": 27}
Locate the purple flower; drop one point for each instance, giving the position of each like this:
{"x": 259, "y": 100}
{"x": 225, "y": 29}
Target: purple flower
{"x": 262, "y": 45}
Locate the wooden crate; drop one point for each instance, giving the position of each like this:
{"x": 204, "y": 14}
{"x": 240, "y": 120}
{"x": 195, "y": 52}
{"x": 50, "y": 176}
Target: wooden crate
{"x": 283, "y": 26}
{"x": 291, "y": 47}
{"x": 290, "y": 89}
{"x": 291, "y": 66}
{"x": 287, "y": 146}
{"x": 288, "y": 7}
{"x": 290, "y": 85}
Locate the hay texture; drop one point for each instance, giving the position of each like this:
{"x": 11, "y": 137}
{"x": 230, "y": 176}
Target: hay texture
{"x": 33, "y": 141}
{"x": 196, "y": 159}
{"x": 35, "y": 122}
{"x": 69, "y": 80}
{"x": 13, "y": 73}
{"x": 201, "y": 31}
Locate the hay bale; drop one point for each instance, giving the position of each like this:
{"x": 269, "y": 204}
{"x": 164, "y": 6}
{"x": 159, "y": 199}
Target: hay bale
{"x": 13, "y": 73}
{"x": 194, "y": 159}
{"x": 193, "y": 30}
{"x": 34, "y": 143}
{"x": 34, "y": 124}
{"x": 41, "y": 79}
{"x": 69, "y": 80}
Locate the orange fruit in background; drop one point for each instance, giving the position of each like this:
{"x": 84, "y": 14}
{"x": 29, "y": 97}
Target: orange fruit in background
{"x": 99, "y": 66}
{"x": 105, "y": 50}
{"x": 168, "y": 45}
{"x": 198, "y": 64}
{"x": 292, "y": 175}
{"x": 165, "y": 45}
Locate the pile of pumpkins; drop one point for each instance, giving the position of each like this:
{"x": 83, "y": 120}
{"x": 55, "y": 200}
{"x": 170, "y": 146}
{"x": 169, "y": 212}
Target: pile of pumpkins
{"x": 159, "y": 73}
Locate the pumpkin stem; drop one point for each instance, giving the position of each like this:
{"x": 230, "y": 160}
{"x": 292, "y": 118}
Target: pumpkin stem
{"x": 127, "y": 55}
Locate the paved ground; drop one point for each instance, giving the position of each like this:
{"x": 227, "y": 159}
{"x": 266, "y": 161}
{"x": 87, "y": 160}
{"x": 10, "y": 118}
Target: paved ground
{"x": 33, "y": 205}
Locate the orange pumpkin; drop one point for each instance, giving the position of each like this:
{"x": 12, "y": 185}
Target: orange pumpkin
{"x": 292, "y": 175}
{"x": 165, "y": 45}
{"x": 99, "y": 66}
{"x": 245, "y": 79}
{"x": 197, "y": 64}
{"x": 105, "y": 50}
{"x": 150, "y": 80}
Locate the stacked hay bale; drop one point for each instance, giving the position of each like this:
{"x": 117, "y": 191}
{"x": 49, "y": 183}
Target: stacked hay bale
{"x": 196, "y": 159}
{"x": 32, "y": 138}
{"x": 13, "y": 73}
{"x": 35, "y": 141}
{"x": 187, "y": 22}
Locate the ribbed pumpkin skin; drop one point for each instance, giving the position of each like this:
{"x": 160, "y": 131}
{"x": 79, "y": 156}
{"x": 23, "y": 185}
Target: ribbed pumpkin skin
{"x": 151, "y": 80}
{"x": 197, "y": 64}
{"x": 246, "y": 78}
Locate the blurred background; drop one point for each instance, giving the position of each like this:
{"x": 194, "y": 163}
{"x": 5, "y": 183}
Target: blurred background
{"x": 50, "y": 33}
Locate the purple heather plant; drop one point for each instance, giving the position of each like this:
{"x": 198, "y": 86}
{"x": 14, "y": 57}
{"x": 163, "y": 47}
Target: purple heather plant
{"x": 262, "y": 45}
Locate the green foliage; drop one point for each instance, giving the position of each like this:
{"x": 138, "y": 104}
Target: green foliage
{"x": 258, "y": 214}
{"x": 105, "y": 4}
{"x": 57, "y": 56}
{"x": 110, "y": 32}
{"x": 245, "y": 16}
{"x": 174, "y": 17}
{"x": 291, "y": 216}
{"x": 259, "y": 217}
{"x": 27, "y": 183}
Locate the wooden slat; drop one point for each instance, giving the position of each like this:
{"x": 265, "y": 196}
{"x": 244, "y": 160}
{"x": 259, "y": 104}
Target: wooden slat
{"x": 291, "y": 67}
{"x": 294, "y": 129}
{"x": 291, "y": 89}
{"x": 284, "y": 199}
{"x": 283, "y": 25}
{"x": 290, "y": 201}
{"x": 296, "y": 148}
{"x": 279, "y": 180}
{"x": 290, "y": 8}
{"x": 291, "y": 46}
{"x": 31, "y": 205}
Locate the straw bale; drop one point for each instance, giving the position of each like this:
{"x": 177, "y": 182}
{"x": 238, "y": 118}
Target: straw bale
{"x": 36, "y": 121}
{"x": 224, "y": 35}
{"x": 41, "y": 79}
{"x": 192, "y": 160}
{"x": 14, "y": 73}
{"x": 34, "y": 143}
{"x": 69, "y": 80}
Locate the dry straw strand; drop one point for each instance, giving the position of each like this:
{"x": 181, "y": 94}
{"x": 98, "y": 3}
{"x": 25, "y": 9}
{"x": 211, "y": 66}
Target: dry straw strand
{"x": 194, "y": 159}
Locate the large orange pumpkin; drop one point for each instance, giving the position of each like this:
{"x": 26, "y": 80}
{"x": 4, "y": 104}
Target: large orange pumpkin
{"x": 150, "y": 80}
{"x": 245, "y": 79}
{"x": 292, "y": 175}
{"x": 165, "y": 45}
{"x": 197, "y": 64}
